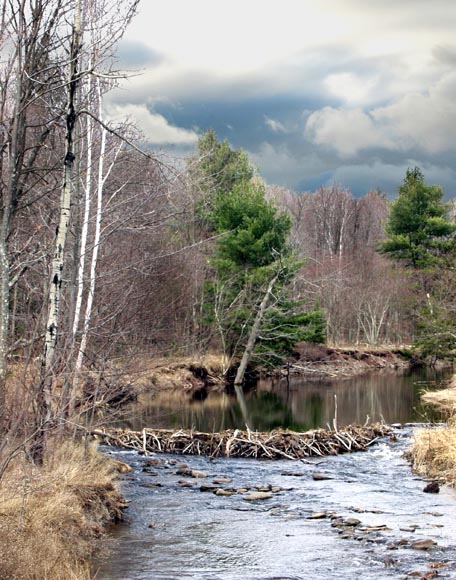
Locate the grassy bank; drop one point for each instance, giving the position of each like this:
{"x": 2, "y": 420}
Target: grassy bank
{"x": 433, "y": 453}
{"x": 52, "y": 516}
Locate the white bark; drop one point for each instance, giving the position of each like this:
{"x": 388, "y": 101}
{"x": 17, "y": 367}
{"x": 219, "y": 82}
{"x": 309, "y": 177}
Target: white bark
{"x": 85, "y": 222}
{"x": 55, "y": 290}
{"x": 102, "y": 177}
{"x": 253, "y": 335}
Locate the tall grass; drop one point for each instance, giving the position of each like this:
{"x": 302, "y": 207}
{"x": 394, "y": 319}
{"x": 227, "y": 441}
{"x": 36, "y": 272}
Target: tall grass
{"x": 52, "y": 516}
{"x": 433, "y": 453}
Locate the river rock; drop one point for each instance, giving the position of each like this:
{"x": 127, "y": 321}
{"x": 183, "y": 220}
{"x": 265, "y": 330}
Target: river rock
{"x": 152, "y": 462}
{"x": 424, "y": 544}
{"x": 122, "y": 467}
{"x": 212, "y": 488}
{"x": 319, "y": 476}
{"x": 264, "y": 488}
{"x": 351, "y": 522}
{"x": 258, "y": 495}
{"x": 222, "y": 480}
{"x": 432, "y": 487}
{"x": 191, "y": 472}
{"x": 317, "y": 516}
{"x": 198, "y": 474}
{"x": 379, "y": 528}
{"x": 225, "y": 492}
{"x": 184, "y": 483}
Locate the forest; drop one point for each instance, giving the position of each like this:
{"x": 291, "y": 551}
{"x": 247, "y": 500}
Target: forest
{"x": 111, "y": 252}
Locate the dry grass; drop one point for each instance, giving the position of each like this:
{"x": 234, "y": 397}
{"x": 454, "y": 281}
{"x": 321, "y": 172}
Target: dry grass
{"x": 51, "y": 517}
{"x": 444, "y": 400}
{"x": 433, "y": 453}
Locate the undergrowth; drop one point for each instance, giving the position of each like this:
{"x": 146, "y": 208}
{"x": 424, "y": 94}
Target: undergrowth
{"x": 51, "y": 516}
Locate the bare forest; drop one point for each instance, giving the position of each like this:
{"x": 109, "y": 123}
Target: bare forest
{"x": 110, "y": 252}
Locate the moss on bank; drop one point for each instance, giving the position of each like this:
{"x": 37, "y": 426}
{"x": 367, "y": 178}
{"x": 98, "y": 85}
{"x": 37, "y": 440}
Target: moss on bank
{"x": 52, "y": 516}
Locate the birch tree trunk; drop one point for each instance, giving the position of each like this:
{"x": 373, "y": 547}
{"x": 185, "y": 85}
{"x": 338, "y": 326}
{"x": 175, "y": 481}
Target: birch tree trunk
{"x": 44, "y": 400}
{"x": 102, "y": 177}
{"x": 85, "y": 221}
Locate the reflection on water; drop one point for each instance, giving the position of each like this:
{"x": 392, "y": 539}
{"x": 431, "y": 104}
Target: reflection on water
{"x": 300, "y": 404}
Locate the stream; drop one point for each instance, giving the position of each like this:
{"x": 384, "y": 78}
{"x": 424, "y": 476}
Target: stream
{"x": 340, "y": 517}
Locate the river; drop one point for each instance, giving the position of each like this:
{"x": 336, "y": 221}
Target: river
{"x": 370, "y": 511}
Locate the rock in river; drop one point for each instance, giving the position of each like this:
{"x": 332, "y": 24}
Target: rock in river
{"x": 258, "y": 495}
{"x": 319, "y": 476}
{"x": 424, "y": 544}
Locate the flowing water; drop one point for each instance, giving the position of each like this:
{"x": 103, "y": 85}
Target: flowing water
{"x": 175, "y": 530}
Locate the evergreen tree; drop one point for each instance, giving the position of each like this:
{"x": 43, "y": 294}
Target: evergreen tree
{"x": 419, "y": 231}
{"x": 252, "y": 253}
{"x": 422, "y": 236}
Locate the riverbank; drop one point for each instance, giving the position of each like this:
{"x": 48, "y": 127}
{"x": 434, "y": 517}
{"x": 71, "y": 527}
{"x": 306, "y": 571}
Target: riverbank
{"x": 339, "y": 362}
{"x": 433, "y": 453}
{"x": 211, "y": 372}
{"x": 51, "y": 517}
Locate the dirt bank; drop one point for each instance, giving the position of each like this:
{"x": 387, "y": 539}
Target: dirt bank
{"x": 209, "y": 372}
{"x": 331, "y": 362}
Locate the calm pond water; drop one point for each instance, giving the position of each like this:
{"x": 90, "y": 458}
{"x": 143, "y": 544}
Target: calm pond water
{"x": 300, "y": 404}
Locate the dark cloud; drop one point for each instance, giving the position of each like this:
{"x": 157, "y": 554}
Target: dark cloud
{"x": 136, "y": 54}
{"x": 266, "y": 111}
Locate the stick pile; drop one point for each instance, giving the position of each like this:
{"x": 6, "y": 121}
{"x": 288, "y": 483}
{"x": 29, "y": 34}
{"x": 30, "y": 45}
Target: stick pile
{"x": 274, "y": 445}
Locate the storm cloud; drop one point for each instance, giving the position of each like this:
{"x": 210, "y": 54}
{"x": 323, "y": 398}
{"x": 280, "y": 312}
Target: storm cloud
{"x": 362, "y": 93}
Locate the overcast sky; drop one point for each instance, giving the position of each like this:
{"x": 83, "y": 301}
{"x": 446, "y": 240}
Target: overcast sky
{"x": 353, "y": 91}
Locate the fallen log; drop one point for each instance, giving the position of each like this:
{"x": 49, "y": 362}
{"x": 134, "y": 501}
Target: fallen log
{"x": 235, "y": 443}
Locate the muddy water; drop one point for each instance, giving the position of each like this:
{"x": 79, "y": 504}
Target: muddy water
{"x": 176, "y": 531}
{"x": 299, "y": 404}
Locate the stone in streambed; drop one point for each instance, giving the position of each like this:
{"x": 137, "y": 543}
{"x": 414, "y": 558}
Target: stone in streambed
{"x": 225, "y": 492}
{"x": 258, "y": 495}
{"x": 319, "y": 476}
{"x": 121, "y": 467}
{"x": 351, "y": 522}
{"x": 432, "y": 487}
{"x": 212, "y": 488}
{"x": 317, "y": 516}
{"x": 222, "y": 480}
{"x": 424, "y": 544}
{"x": 191, "y": 472}
{"x": 184, "y": 483}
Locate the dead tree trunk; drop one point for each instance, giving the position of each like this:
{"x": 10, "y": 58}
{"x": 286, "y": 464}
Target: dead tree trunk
{"x": 253, "y": 335}
{"x": 254, "y": 332}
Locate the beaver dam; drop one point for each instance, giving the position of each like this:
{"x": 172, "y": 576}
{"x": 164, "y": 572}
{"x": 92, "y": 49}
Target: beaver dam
{"x": 236, "y": 443}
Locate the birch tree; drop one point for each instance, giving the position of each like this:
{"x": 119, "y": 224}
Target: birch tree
{"x": 31, "y": 43}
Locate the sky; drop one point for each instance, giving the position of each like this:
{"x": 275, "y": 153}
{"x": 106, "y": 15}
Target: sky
{"x": 316, "y": 92}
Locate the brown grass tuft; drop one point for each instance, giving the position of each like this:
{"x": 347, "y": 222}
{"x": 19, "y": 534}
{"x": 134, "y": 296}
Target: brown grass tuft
{"x": 444, "y": 400}
{"x": 51, "y": 517}
{"x": 433, "y": 453}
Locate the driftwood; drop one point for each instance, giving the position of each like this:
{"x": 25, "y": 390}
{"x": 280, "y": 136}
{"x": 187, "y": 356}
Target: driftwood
{"x": 272, "y": 445}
